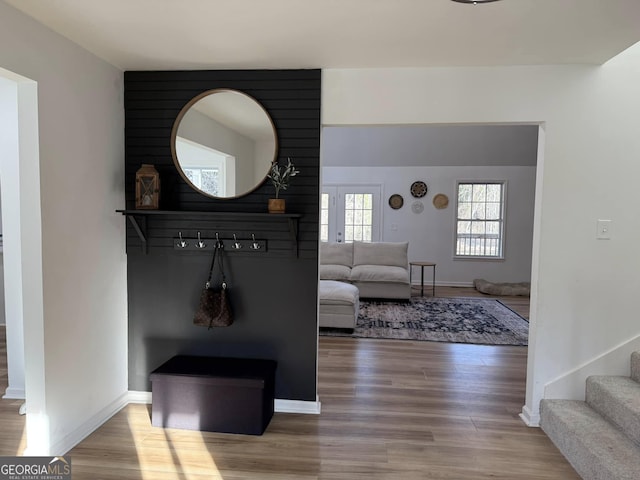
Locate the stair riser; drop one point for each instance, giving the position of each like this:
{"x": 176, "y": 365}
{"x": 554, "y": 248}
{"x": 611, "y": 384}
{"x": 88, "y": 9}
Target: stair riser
{"x": 610, "y": 398}
{"x": 578, "y": 437}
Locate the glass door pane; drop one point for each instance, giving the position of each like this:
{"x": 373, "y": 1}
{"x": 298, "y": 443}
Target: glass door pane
{"x": 358, "y": 215}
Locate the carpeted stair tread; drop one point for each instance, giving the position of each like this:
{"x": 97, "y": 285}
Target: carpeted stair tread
{"x": 595, "y": 448}
{"x": 618, "y": 400}
{"x": 635, "y": 366}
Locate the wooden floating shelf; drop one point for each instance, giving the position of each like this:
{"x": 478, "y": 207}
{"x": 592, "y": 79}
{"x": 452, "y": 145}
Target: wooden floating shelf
{"x": 138, "y": 219}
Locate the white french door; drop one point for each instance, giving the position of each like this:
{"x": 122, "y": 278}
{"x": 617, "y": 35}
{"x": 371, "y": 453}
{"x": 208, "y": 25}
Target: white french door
{"x": 350, "y": 213}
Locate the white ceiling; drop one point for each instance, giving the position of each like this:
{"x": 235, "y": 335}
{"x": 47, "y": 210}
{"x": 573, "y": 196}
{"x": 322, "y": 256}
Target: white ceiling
{"x": 221, "y": 34}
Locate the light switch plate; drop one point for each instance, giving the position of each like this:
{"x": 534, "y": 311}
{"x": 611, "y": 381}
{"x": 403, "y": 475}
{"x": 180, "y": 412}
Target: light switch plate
{"x": 603, "y": 231}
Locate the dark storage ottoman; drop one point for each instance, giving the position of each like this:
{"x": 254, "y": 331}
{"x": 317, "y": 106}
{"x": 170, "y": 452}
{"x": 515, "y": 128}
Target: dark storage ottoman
{"x": 213, "y": 394}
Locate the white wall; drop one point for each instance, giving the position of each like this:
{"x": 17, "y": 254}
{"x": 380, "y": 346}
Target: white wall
{"x": 81, "y": 168}
{"x": 0, "y": 214}
{"x": 2, "y": 317}
{"x": 431, "y": 233}
{"x": 429, "y": 145}
{"x": 583, "y": 289}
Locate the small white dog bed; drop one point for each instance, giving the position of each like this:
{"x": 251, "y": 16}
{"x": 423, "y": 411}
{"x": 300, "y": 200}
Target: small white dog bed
{"x": 509, "y": 289}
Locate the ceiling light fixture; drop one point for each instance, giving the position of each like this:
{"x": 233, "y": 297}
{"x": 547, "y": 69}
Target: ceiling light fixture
{"x": 474, "y": 2}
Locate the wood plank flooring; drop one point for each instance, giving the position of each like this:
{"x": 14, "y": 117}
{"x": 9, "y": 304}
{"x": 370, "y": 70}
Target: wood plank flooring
{"x": 12, "y": 440}
{"x": 391, "y": 409}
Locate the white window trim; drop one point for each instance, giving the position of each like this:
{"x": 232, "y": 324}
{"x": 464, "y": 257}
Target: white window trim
{"x": 503, "y": 237}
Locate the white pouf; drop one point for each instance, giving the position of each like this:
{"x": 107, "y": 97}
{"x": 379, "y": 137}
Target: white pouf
{"x": 339, "y": 303}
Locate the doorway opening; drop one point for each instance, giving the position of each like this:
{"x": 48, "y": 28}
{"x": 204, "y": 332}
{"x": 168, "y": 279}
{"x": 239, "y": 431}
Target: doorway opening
{"x": 22, "y": 247}
{"x": 441, "y": 156}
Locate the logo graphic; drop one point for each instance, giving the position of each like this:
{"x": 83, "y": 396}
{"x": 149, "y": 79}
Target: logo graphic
{"x": 35, "y": 468}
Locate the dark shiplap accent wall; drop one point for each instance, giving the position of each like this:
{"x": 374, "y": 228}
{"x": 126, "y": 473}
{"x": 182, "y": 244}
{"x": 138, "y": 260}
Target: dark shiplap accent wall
{"x": 274, "y": 294}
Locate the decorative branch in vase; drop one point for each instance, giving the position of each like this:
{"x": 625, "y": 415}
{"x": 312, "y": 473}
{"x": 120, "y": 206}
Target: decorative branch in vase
{"x": 280, "y": 176}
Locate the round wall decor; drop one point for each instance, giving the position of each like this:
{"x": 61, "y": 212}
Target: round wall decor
{"x": 417, "y": 206}
{"x": 440, "y": 201}
{"x": 418, "y": 189}
{"x": 396, "y": 201}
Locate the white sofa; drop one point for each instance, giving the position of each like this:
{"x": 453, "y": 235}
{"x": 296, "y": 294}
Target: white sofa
{"x": 377, "y": 269}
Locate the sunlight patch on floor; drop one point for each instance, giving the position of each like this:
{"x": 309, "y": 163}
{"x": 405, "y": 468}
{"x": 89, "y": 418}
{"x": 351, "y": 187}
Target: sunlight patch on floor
{"x": 23, "y": 443}
{"x": 161, "y": 451}
{"x": 149, "y": 458}
{"x": 196, "y": 461}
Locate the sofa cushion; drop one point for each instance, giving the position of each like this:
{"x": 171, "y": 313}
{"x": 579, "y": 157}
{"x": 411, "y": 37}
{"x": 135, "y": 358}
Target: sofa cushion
{"x": 379, "y": 273}
{"x": 381, "y": 253}
{"x": 335, "y": 272}
{"x": 336, "y": 254}
{"x": 337, "y": 293}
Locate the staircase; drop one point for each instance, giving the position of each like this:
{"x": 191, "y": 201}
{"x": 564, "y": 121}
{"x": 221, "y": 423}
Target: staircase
{"x": 600, "y": 436}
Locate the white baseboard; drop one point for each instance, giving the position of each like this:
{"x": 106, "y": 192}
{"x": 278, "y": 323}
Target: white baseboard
{"x": 62, "y": 446}
{"x": 136, "y": 396}
{"x": 427, "y": 284}
{"x": 280, "y": 406}
{"x": 297, "y": 406}
{"x": 531, "y": 419}
{"x": 455, "y": 284}
{"x": 14, "y": 394}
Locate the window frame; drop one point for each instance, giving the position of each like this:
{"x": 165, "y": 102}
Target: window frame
{"x": 502, "y": 221}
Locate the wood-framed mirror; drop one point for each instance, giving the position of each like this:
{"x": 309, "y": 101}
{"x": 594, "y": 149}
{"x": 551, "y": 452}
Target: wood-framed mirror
{"x": 223, "y": 143}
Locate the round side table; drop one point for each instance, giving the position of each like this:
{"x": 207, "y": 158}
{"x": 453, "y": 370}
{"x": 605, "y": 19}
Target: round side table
{"x": 422, "y": 265}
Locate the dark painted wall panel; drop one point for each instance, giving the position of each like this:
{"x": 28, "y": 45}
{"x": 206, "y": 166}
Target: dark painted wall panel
{"x": 273, "y": 305}
{"x": 274, "y": 293}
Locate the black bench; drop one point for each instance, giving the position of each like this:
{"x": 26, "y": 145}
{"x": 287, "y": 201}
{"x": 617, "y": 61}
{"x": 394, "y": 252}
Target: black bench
{"x": 214, "y": 394}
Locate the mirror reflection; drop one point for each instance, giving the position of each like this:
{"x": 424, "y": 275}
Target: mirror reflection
{"x": 223, "y": 143}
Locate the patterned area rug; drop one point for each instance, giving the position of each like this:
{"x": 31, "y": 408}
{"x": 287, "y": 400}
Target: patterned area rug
{"x": 454, "y": 320}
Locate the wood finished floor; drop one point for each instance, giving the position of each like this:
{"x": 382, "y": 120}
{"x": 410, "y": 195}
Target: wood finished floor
{"x": 12, "y": 441}
{"x": 391, "y": 409}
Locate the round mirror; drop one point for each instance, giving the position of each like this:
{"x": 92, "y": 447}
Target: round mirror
{"x": 223, "y": 143}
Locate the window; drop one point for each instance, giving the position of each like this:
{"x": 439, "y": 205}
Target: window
{"x": 204, "y": 178}
{"x": 207, "y": 169}
{"x": 358, "y": 217}
{"x": 480, "y": 220}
